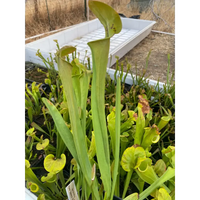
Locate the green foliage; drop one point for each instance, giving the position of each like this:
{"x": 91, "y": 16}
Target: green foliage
{"x": 102, "y": 133}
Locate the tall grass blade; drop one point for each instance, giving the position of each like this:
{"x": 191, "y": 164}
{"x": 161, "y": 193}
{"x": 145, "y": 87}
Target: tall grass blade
{"x": 168, "y": 84}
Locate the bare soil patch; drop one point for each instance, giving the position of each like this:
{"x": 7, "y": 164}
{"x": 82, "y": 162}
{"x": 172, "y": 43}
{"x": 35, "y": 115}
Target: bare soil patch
{"x": 160, "y": 46}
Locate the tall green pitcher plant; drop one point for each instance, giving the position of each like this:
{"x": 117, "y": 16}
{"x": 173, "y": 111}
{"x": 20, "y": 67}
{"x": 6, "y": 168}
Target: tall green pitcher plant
{"x": 75, "y": 79}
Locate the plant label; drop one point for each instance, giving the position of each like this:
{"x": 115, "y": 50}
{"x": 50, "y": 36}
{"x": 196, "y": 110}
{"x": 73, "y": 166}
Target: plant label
{"x": 71, "y": 191}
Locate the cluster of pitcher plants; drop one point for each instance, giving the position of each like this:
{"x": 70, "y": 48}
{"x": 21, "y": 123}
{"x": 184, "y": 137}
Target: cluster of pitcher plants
{"x": 93, "y": 134}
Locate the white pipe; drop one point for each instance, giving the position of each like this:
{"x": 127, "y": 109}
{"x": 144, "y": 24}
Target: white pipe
{"x": 35, "y": 36}
{"x": 87, "y": 11}
{"x": 162, "y": 32}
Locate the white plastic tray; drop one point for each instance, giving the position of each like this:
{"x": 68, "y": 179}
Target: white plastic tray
{"x": 133, "y": 31}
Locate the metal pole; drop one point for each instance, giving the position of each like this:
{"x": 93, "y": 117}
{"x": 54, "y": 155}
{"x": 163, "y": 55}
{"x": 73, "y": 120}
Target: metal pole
{"x": 48, "y": 16}
{"x": 87, "y": 11}
{"x": 85, "y": 8}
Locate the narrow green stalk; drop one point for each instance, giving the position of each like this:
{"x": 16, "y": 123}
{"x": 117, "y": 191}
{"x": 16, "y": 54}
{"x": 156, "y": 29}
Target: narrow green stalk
{"x": 168, "y": 85}
{"x": 147, "y": 60}
{"x": 128, "y": 68}
{"x": 62, "y": 180}
{"x": 127, "y": 181}
{"x": 117, "y": 186}
{"x": 122, "y": 70}
{"x": 117, "y": 68}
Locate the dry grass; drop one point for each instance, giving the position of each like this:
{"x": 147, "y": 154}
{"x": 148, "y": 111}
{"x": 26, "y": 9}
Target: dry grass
{"x": 164, "y": 9}
{"x": 63, "y": 13}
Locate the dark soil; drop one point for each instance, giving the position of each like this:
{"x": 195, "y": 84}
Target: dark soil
{"x": 31, "y": 72}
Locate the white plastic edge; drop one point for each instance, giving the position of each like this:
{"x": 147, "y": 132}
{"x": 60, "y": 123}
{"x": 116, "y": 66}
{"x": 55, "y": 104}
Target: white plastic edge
{"x": 129, "y": 79}
{"x": 29, "y": 195}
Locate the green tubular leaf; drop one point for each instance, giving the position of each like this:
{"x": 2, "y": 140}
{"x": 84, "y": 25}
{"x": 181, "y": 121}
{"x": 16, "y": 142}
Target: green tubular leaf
{"x": 140, "y": 124}
{"x": 92, "y": 149}
{"x": 84, "y": 86}
{"x": 133, "y": 196}
{"x": 163, "y": 122}
{"x": 60, "y": 145}
{"x": 27, "y": 164}
{"x": 81, "y": 79}
{"x": 117, "y": 135}
{"x": 160, "y": 167}
{"x": 151, "y": 135}
{"x": 41, "y": 197}
{"x": 132, "y": 115}
{"x": 100, "y": 47}
{"x": 112, "y": 24}
{"x": 146, "y": 172}
{"x": 170, "y": 173}
{"x": 76, "y": 83}
{"x": 138, "y": 182}
{"x": 63, "y": 130}
{"x": 30, "y": 113}
{"x": 169, "y": 155}
{"x": 107, "y": 16}
{"x": 65, "y": 71}
{"x": 162, "y": 194}
{"x": 132, "y": 158}
{"x": 111, "y": 128}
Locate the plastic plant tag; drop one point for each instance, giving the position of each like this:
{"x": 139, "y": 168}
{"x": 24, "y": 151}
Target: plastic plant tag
{"x": 71, "y": 191}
